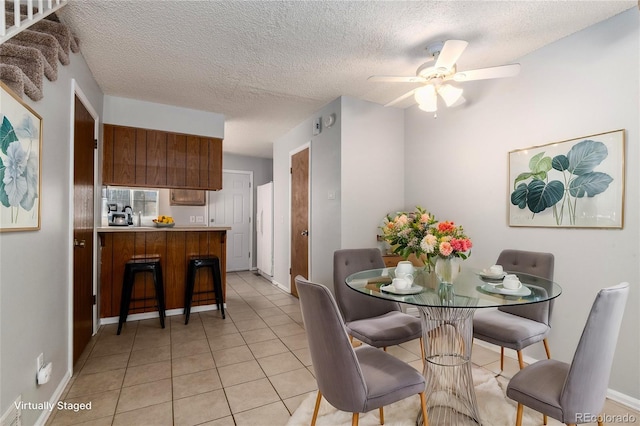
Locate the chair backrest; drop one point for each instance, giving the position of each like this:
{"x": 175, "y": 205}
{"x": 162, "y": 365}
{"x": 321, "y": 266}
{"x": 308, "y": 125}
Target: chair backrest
{"x": 334, "y": 361}
{"x": 586, "y": 385}
{"x": 532, "y": 263}
{"x": 353, "y": 305}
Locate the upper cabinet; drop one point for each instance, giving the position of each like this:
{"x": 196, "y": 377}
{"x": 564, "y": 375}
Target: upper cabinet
{"x": 159, "y": 159}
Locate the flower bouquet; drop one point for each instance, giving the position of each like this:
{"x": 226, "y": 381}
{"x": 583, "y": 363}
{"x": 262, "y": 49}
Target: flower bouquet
{"x": 421, "y": 234}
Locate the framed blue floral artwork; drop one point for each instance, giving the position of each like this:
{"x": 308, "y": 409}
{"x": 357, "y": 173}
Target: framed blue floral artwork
{"x": 578, "y": 183}
{"x": 20, "y": 164}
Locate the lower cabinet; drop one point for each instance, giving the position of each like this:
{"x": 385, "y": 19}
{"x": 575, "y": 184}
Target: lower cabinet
{"x": 174, "y": 248}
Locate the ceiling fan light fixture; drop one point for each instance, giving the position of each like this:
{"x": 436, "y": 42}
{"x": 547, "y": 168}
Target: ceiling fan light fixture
{"x": 450, "y": 94}
{"x": 427, "y": 98}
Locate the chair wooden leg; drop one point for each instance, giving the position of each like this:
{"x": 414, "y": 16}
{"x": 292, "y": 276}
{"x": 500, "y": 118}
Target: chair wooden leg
{"x": 422, "y": 354}
{"x": 546, "y": 348}
{"x": 520, "y": 361}
{"x": 501, "y": 358}
{"x": 519, "y": 415}
{"x": 423, "y": 406}
{"x": 573, "y": 424}
{"x": 315, "y": 410}
{"x": 384, "y": 348}
{"x": 381, "y": 415}
{"x": 354, "y": 419}
{"x": 544, "y": 419}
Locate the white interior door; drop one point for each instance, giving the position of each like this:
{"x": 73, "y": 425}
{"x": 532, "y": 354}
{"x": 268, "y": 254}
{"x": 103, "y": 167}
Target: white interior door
{"x": 231, "y": 206}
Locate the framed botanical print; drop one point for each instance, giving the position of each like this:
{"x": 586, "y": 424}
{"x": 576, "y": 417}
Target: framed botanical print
{"x": 578, "y": 183}
{"x": 20, "y": 164}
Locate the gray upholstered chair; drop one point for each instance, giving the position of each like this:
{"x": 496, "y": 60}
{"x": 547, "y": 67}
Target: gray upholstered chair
{"x": 376, "y": 322}
{"x": 575, "y": 393}
{"x": 516, "y": 327}
{"x": 352, "y": 380}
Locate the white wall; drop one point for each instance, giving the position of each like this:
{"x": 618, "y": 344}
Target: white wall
{"x": 149, "y": 115}
{"x": 372, "y": 149}
{"x": 34, "y": 274}
{"x": 457, "y": 167}
{"x": 325, "y": 213}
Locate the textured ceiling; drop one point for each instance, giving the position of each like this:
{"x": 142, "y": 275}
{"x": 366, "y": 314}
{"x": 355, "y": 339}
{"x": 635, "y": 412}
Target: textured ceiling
{"x": 268, "y": 65}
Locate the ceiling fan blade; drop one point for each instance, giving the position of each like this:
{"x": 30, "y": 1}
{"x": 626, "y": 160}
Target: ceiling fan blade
{"x": 401, "y": 98}
{"x": 396, "y": 79}
{"x": 451, "y": 51}
{"x": 487, "y": 73}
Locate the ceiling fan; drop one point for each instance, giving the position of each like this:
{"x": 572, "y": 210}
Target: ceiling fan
{"x": 437, "y": 77}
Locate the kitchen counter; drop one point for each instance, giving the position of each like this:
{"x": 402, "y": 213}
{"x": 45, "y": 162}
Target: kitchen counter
{"x": 175, "y": 247}
{"x": 154, "y": 228}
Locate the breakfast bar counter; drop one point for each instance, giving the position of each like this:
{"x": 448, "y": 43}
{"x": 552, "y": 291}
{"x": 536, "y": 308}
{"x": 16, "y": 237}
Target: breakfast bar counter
{"x": 175, "y": 246}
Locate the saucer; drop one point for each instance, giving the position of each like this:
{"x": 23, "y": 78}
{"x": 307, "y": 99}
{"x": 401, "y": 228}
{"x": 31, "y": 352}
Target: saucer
{"x": 414, "y": 289}
{"x": 489, "y": 276}
{"x": 499, "y": 289}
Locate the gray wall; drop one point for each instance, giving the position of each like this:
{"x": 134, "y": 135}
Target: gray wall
{"x": 372, "y": 148}
{"x": 34, "y": 266}
{"x": 325, "y": 214}
{"x": 581, "y": 85}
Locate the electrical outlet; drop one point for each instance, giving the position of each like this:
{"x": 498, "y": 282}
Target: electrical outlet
{"x": 39, "y": 362}
{"x": 192, "y": 219}
{"x": 199, "y": 219}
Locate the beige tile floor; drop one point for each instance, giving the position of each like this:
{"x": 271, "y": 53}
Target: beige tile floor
{"x": 253, "y": 368}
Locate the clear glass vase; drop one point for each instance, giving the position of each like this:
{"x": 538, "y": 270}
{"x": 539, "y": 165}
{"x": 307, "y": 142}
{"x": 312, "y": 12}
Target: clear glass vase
{"x": 447, "y": 269}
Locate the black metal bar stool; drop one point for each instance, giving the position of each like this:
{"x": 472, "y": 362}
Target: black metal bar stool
{"x": 131, "y": 268}
{"x": 195, "y": 263}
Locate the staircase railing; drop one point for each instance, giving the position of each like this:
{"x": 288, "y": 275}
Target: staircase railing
{"x": 45, "y": 8}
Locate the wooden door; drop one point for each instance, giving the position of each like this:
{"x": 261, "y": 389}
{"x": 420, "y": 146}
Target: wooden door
{"x": 83, "y": 203}
{"x": 299, "y": 217}
{"x": 230, "y": 207}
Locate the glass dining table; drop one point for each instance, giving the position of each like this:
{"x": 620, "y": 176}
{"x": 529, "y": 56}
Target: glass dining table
{"x": 447, "y": 312}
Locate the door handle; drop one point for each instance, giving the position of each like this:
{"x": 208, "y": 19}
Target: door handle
{"x": 78, "y": 243}
{"x": 305, "y": 233}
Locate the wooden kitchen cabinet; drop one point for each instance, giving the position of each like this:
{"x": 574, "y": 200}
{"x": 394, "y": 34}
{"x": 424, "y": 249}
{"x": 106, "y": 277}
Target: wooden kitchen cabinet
{"x": 159, "y": 159}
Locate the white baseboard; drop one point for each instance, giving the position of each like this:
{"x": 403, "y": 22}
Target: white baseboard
{"x": 150, "y": 315}
{"x": 280, "y": 286}
{"x": 44, "y": 416}
{"x": 619, "y": 397}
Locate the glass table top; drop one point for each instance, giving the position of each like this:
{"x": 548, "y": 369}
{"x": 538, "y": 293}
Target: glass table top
{"x": 470, "y": 289}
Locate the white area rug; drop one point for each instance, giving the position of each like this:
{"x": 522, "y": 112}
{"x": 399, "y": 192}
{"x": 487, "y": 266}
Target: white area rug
{"x": 495, "y": 408}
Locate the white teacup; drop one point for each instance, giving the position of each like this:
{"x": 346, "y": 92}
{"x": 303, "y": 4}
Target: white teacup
{"x": 402, "y": 283}
{"x": 496, "y": 269}
{"x": 404, "y": 268}
{"x": 511, "y": 282}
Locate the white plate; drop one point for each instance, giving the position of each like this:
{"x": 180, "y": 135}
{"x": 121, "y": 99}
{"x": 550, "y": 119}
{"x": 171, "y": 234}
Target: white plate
{"x": 490, "y": 276}
{"x": 499, "y": 289}
{"x": 414, "y": 289}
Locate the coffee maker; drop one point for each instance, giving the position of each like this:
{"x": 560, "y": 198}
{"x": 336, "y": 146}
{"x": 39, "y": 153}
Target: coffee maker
{"x": 123, "y": 217}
